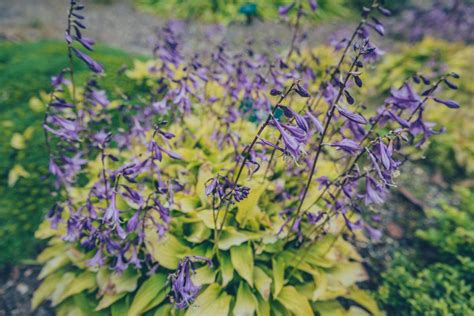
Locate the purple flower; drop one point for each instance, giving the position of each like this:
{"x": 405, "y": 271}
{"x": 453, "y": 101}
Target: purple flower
{"x": 184, "y": 291}
{"x": 111, "y": 214}
{"x": 313, "y": 4}
{"x": 86, "y": 42}
{"x": 374, "y": 192}
{"x": 354, "y": 117}
{"x": 449, "y": 103}
{"x": 93, "y": 65}
{"x": 97, "y": 260}
{"x": 283, "y": 10}
{"x": 404, "y": 98}
{"x": 347, "y": 145}
{"x": 317, "y": 125}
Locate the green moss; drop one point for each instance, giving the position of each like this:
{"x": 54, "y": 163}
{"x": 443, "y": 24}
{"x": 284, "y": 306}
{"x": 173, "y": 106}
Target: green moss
{"x": 25, "y": 69}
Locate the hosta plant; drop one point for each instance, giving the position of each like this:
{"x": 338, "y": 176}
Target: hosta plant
{"x": 228, "y": 183}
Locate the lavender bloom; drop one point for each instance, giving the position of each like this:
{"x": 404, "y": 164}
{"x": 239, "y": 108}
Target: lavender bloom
{"x": 404, "y": 98}
{"x": 293, "y": 139}
{"x": 317, "y": 125}
{"x": 354, "y": 117}
{"x": 313, "y": 4}
{"x": 111, "y": 214}
{"x": 184, "y": 291}
{"x": 97, "y": 260}
{"x": 449, "y": 103}
{"x": 347, "y": 145}
{"x": 93, "y": 65}
{"x": 284, "y": 10}
{"x": 374, "y": 192}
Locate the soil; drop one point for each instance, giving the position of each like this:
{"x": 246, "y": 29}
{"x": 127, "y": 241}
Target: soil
{"x": 17, "y": 285}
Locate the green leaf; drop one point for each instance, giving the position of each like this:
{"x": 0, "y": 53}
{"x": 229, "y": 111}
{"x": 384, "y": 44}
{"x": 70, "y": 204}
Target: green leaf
{"x": 62, "y": 287}
{"x": 199, "y": 233}
{"x": 53, "y": 265}
{"x": 246, "y": 303}
{"x": 232, "y": 237}
{"x": 226, "y": 268}
{"x": 364, "y": 299}
{"x": 294, "y": 301}
{"x": 164, "y": 310}
{"x": 242, "y": 260}
{"x": 120, "y": 308}
{"x": 212, "y": 301}
{"x": 263, "y": 308}
{"x": 146, "y": 293}
{"x": 263, "y": 283}
{"x": 278, "y": 266}
{"x": 166, "y": 250}
{"x": 109, "y": 299}
{"x": 204, "y": 275}
{"x": 84, "y": 281}
{"x": 45, "y": 289}
{"x": 248, "y": 208}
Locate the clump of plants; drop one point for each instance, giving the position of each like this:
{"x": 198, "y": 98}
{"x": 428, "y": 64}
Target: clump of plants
{"x": 437, "y": 277}
{"x": 233, "y": 183}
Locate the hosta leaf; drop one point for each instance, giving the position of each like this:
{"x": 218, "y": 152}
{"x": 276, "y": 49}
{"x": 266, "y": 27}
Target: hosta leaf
{"x": 109, "y": 299}
{"x": 157, "y": 300}
{"x": 205, "y": 173}
{"x": 199, "y": 233}
{"x": 278, "y": 267}
{"x": 364, "y": 299}
{"x": 204, "y": 275}
{"x": 53, "y": 265}
{"x": 212, "y": 301}
{"x": 164, "y": 310}
{"x": 329, "y": 308}
{"x": 45, "y": 289}
{"x": 294, "y": 301}
{"x": 146, "y": 293}
{"x": 347, "y": 274}
{"x": 120, "y": 308}
{"x": 245, "y": 303}
{"x": 248, "y": 208}
{"x": 83, "y": 282}
{"x": 166, "y": 250}
{"x": 263, "y": 308}
{"x": 242, "y": 260}
{"x": 232, "y": 237}
{"x": 61, "y": 287}
{"x": 226, "y": 268}
{"x": 263, "y": 283}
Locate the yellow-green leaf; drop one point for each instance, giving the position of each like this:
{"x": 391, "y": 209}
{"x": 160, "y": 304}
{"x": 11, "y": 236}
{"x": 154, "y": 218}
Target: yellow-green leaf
{"x": 226, "y": 268}
{"x": 61, "y": 287}
{"x": 246, "y": 303}
{"x": 364, "y": 299}
{"x": 45, "y": 289}
{"x": 109, "y": 299}
{"x": 263, "y": 283}
{"x": 166, "y": 250}
{"x": 18, "y": 141}
{"x": 84, "y": 281}
{"x": 294, "y": 301}
{"x": 242, "y": 260}
{"x": 212, "y": 301}
{"x": 248, "y": 208}
{"x": 147, "y": 292}
{"x": 263, "y": 308}
{"x": 53, "y": 265}
{"x": 278, "y": 267}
